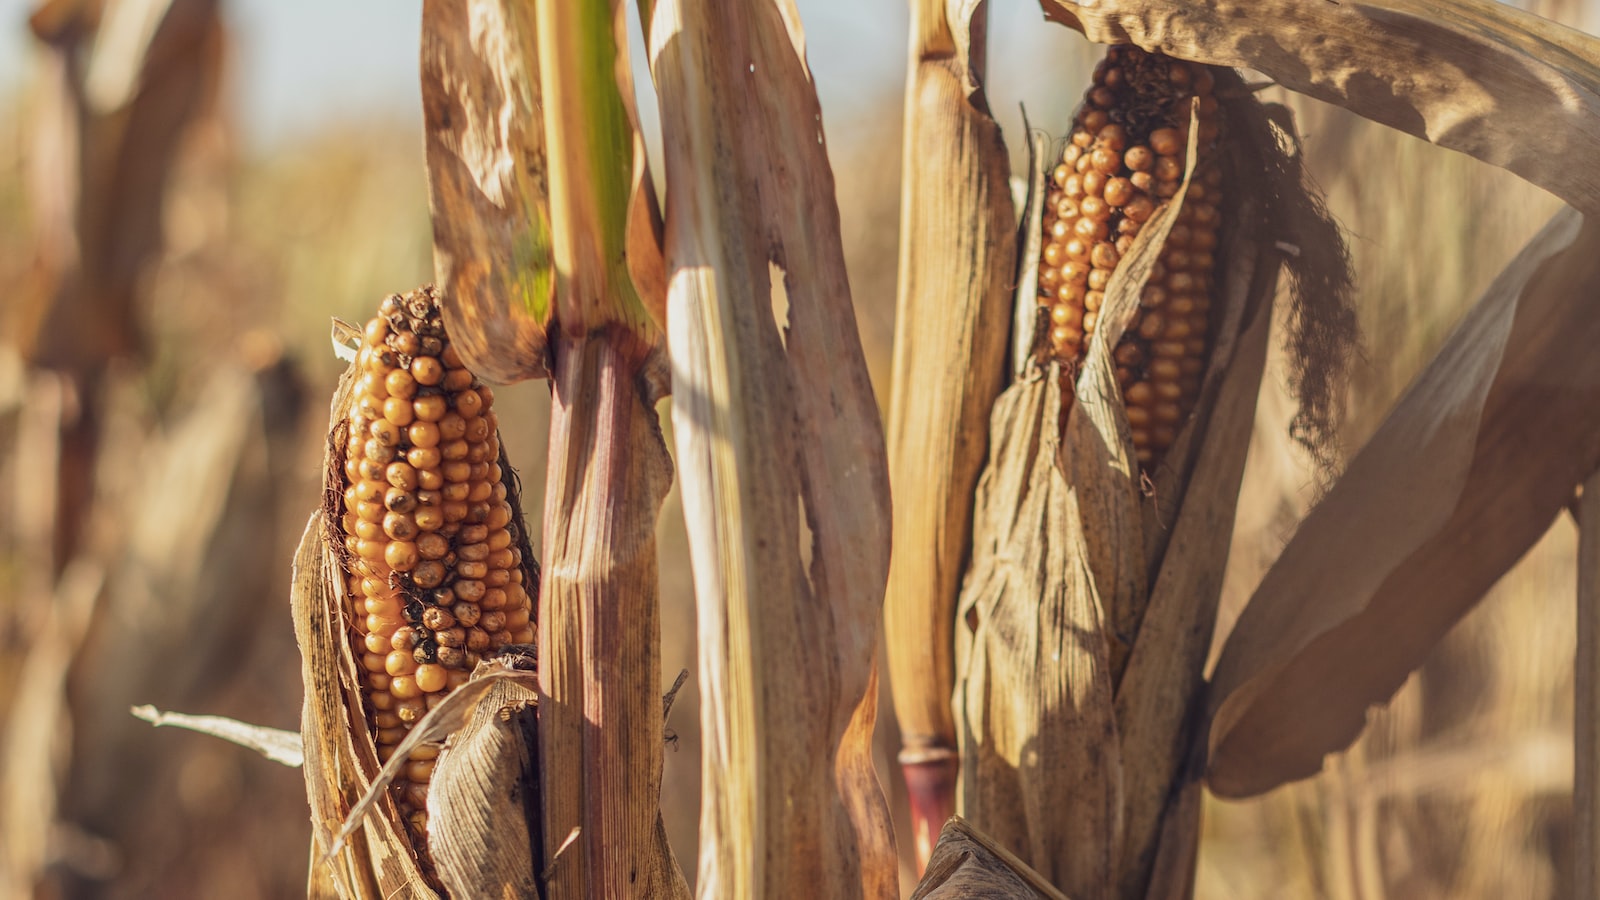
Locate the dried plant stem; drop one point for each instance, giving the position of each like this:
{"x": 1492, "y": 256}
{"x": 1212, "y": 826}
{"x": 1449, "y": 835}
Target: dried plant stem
{"x": 956, "y": 269}
{"x": 1586, "y": 706}
{"x": 599, "y": 644}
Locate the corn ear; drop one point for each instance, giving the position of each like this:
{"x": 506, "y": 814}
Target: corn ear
{"x": 1125, "y": 157}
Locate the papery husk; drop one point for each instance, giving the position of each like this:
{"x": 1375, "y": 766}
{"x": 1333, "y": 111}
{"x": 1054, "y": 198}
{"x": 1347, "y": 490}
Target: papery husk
{"x": 967, "y": 864}
{"x": 956, "y": 266}
{"x": 341, "y": 765}
{"x": 1086, "y": 615}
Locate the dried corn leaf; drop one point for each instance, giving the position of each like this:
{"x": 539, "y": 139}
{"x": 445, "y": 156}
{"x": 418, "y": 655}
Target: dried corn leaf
{"x": 782, "y": 462}
{"x": 1040, "y": 768}
{"x": 486, "y": 183}
{"x": 967, "y": 863}
{"x": 483, "y": 802}
{"x": 1471, "y": 75}
{"x": 1464, "y": 475}
{"x": 956, "y": 267}
{"x": 274, "y": 743}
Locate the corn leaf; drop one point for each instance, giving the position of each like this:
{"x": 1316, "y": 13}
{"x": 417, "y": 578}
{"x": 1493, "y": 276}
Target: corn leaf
{"x": 782, "y": 462}
{"x": 592, "y": 146}
{"x": 486, "y": 183}
{"x": 1464, "y": 475}
{"x": 1471, "y": 75}
{"x": 957, "y": 258}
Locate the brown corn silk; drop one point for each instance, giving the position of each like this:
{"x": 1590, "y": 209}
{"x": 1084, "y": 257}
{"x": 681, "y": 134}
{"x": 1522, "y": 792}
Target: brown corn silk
{"x": 344, "y": 752}
{"x": 781, "y": 460}
{"x": 1086, "y": 612}
{"x": 1125, "y": 156}
{"x": 957, "y": 260}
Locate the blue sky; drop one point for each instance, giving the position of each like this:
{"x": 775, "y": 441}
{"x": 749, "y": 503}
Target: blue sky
{"x": 300, "y": 64}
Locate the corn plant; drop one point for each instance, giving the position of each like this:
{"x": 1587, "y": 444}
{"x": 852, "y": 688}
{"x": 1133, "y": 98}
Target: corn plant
{"x": 1078, "y": 710}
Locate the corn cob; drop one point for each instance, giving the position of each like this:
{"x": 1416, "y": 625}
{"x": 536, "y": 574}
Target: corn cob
{"x": 435, "y": 566}
{"x": 1126, "y": 157}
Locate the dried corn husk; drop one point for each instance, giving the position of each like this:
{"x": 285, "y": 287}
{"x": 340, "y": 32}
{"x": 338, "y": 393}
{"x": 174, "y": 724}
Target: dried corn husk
{"x": 1086, "y": 614}
{"x": 956, "y": 265}
{"x": 343, "y": 777}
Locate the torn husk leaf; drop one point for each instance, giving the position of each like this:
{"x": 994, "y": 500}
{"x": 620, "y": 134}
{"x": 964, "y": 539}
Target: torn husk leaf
{"x": 1081, "y": 634}
{"x": 378, "y": 860}
{"x": 956, "y": 266}
{"x": 968, "y": 865}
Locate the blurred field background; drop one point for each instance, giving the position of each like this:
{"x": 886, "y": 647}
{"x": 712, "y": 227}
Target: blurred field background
{"x": 298, "y": 193}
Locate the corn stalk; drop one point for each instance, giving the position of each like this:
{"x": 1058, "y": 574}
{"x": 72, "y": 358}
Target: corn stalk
{"x": 781, "y": 459}
{"x": 956, "y": 265}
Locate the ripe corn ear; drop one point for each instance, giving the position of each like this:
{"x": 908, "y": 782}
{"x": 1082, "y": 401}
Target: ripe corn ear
{"x": 1125, "y": 158}
{"x": 433, "y": 559}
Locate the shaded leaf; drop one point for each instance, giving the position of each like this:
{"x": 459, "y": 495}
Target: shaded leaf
{"x": 1464, "y": 475}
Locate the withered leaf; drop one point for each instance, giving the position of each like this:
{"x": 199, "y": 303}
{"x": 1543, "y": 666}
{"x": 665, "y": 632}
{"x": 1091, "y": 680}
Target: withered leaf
{"x": 486, "y": 183}
{"x": 1464, "y": 475}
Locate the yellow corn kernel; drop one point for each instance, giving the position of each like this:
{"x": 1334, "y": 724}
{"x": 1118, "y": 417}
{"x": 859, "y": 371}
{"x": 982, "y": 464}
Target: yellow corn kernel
{"x": 1125, "y": 157}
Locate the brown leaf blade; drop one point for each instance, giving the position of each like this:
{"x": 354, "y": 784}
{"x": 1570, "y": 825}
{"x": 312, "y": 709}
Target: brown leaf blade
{"x": 485, "y": 148}
{"x": 780, "y": 457}
{"x": 1470, "y": 75}
{"x": 956, "y": 266}
{"x": 1464, "y": 475}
